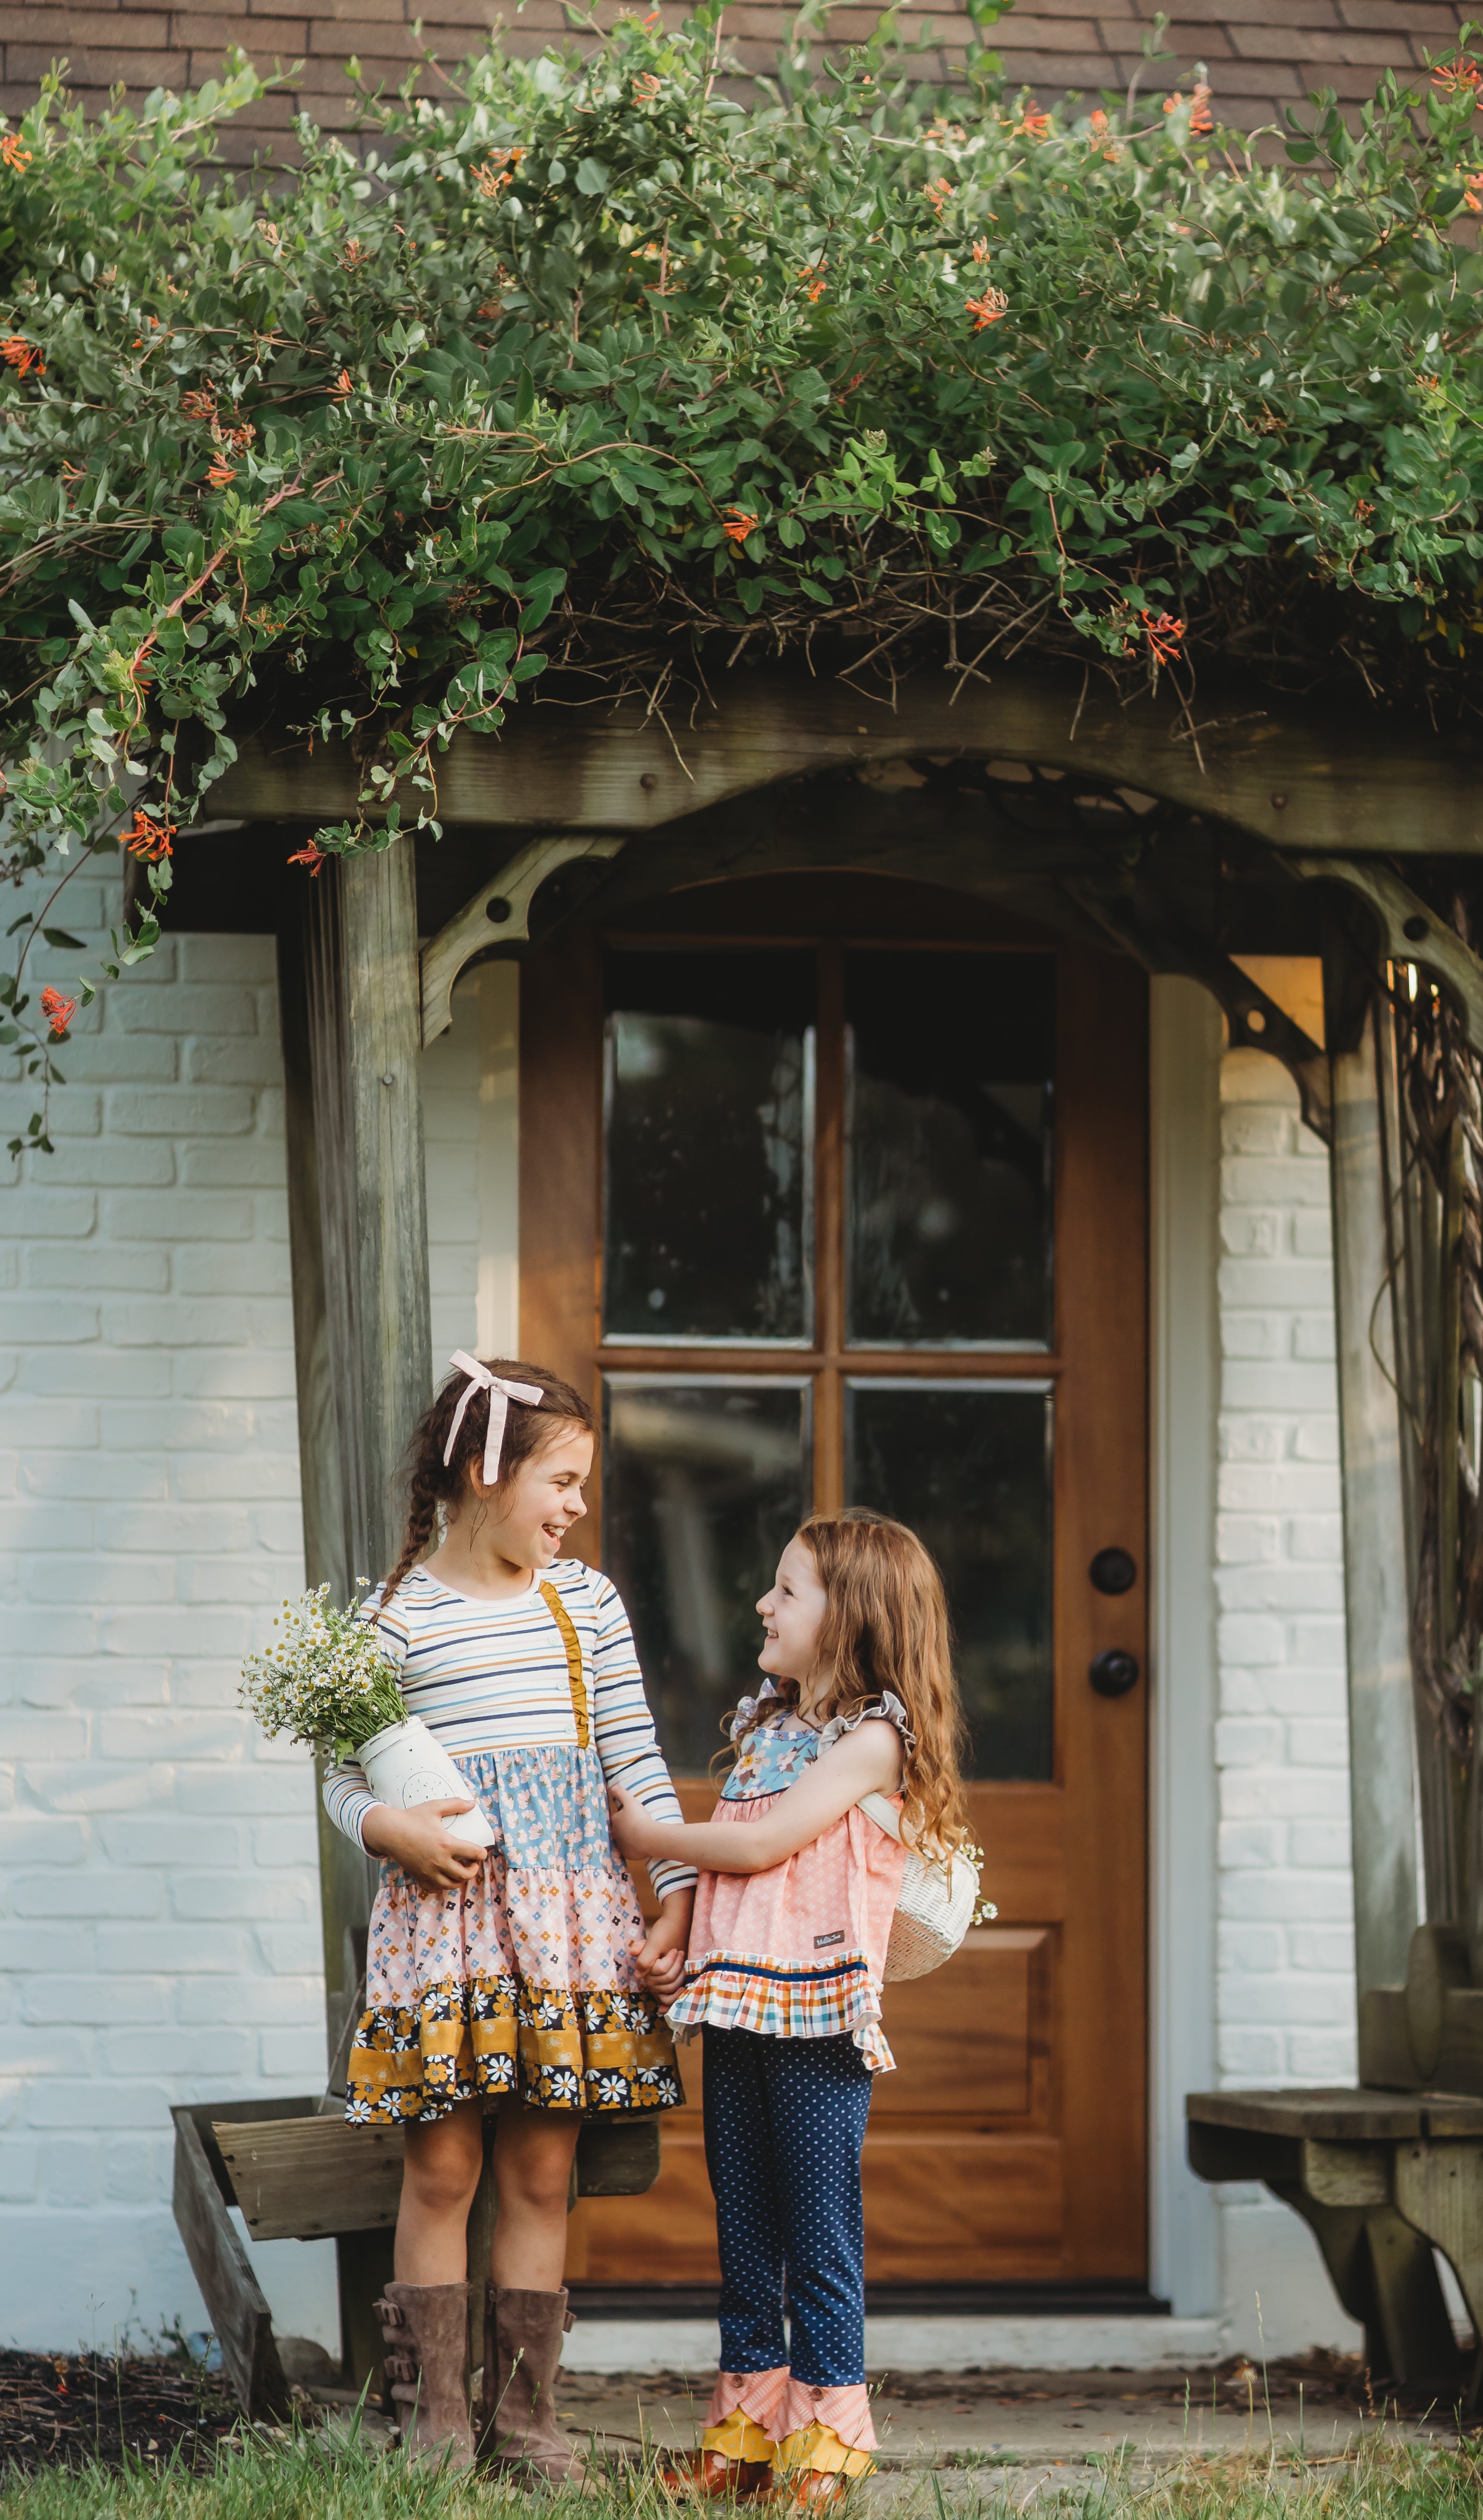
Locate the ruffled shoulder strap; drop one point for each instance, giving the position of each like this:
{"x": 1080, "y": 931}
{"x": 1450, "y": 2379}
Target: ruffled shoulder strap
{"x": 886, "y": 1708}
{"x": 748, "y": 1709}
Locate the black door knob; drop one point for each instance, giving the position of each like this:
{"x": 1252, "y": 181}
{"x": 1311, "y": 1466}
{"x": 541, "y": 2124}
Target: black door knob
{"x": 1112, "y": 1570}
{"x": 1114, "y": 1673}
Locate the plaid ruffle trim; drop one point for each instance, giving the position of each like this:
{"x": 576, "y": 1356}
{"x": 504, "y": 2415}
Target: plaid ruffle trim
{"x": 552, "y": 2047}
{"x": 746, "y": 1991}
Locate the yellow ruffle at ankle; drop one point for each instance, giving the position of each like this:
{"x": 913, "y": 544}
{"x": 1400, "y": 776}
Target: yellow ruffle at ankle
{"x": 818, "y": 2448}
{"x": 738, "y": 2437}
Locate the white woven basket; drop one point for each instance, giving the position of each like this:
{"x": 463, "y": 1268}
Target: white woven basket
{"x": 934, "y": 1908}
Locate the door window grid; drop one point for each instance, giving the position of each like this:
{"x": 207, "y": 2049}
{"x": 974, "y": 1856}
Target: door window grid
{"x": 833, "y": 1370}
{"x": 738, "y": 1117}
{"x": 705, "y": 1479}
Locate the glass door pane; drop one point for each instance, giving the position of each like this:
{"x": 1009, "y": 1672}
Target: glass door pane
{"x": 967, "y": 1467}
{"x": 704, "y": 1484}
{"x": 950, "y": 1062}
{"x": 709, "y": 1148}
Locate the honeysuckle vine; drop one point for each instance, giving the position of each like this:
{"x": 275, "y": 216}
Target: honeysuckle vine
{"x": 591, "y": 369}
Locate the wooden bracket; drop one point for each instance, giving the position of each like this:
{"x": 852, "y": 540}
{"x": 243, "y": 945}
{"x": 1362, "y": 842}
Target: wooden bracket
{"x": 499, "y": 913}
{"x": 1412, "y": 932}
{"x": 1256, "y": 1020}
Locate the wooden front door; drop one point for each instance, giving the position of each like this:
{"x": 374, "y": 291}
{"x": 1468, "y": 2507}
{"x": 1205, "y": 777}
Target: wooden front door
{"x": 833, "y": 1191}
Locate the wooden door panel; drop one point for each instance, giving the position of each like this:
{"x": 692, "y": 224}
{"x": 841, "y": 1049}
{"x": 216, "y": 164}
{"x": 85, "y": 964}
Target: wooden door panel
{"x": 955, "y": 2204}
{"x": 999, "y": 1987}
{"x": 666, "y": 2237}
{"x": 991, "y": 2212}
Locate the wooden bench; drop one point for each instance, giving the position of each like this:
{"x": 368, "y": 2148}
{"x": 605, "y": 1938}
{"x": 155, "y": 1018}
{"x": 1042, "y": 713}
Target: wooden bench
{"x": 1382, "y": 2178}
{"x": 299, "y": 2173}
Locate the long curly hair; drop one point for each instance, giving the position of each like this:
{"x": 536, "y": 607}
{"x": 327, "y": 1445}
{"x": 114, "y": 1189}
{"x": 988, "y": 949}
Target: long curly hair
{"x": 433, "y": 1482}
{"x": 885, "y": 1625}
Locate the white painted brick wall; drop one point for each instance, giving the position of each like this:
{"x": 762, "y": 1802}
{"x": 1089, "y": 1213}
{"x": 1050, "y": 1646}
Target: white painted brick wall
{"x": 158, "y": 1880}
{"x": 1285, "y": 1986}
{"x": 1285, "y": 1994}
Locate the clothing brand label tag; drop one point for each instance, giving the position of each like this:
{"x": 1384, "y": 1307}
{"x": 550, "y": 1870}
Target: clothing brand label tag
{"x": 826, "y": 1942}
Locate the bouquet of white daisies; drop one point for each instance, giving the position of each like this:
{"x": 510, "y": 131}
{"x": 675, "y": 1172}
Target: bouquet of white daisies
{"x": 326, "y": 1680}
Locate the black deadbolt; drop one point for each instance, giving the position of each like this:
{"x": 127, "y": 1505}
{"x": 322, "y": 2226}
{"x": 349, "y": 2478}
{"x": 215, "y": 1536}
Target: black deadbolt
{"x": 1112, "y": 1570}
{"x": 1114, "y": 1673}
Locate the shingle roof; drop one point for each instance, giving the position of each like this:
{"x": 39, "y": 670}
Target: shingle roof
{"x": 1262, "y": 55}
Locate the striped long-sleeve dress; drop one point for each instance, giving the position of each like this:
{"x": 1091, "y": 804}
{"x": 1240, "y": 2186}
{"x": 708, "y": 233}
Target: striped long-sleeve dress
{"x": 523, "y": 1982}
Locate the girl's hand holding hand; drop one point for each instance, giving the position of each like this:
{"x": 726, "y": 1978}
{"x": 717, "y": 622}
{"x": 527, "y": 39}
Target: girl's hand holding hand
{"x": 634, "y": 1834}
{"x": 417, "y": 1840}
{"x": 661, "y": 1964}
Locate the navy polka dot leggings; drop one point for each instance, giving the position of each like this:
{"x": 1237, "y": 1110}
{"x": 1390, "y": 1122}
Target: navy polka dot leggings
{"x": 785, "y": 2120}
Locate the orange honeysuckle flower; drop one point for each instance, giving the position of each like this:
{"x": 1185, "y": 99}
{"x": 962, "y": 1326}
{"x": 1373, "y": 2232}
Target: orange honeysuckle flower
{"x": 341, "y": 386}
{"x": 647, "y": 87}
{"x": 57, "y": 1010}
{"x": 740, "y": 527}
{"x": 220, "y": 473}
{"x": 939, "y": 193}
{"x": 1472, "y": 189}
{"x": 311, "y": 856}
{"x": 200, "y": 403}
{"x": 1363, "y": 509}
{"x": 238, "y": 438}
{"x": 1163, "y": 634}
{"x": 1033, "y": 122}
{"x": 812, "y": 276}
{"x": 15, "y": 153}
{"x": 149, "y": 840}
{"x": 980, "y": 249}
{"x": 1201, "y": 119}
{"x": 1098, "y": 120}
{"x": 497, "y": 172}
{"x": 1458, "y": 78}
{"x": 987, "y": 309}
{"x": 22, "y": 355}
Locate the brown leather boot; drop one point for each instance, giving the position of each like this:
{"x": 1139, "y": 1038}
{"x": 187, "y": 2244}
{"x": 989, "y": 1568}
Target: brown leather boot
{"x": 426, "y": 2327}
{"x": 522, "y": 2348}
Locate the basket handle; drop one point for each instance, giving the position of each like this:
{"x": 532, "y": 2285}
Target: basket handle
{"x": 885, "y": 1814}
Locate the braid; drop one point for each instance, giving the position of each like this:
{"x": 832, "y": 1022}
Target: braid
{"x": 433, "y": 1481}
{"x": 422, "y": 1519}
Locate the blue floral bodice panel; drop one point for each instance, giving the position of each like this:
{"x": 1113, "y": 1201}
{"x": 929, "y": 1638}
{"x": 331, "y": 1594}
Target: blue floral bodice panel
{"x": 774, "y": 1754}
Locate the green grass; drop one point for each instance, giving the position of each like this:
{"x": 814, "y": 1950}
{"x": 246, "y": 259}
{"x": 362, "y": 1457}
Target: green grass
{"x": 330, "y": 2476}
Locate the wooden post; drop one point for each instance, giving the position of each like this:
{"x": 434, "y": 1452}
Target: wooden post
{"x": 357, "y": 1223}
{"x": 1383, "y": 1771}
{"x": 349, "y": 993}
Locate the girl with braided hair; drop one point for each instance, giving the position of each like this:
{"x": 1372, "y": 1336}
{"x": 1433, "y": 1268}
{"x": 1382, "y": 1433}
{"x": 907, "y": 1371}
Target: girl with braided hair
{"x": 522, "y": 1976}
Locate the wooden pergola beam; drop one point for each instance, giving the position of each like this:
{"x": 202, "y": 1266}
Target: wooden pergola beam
{"x": 1283, "y": 775}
